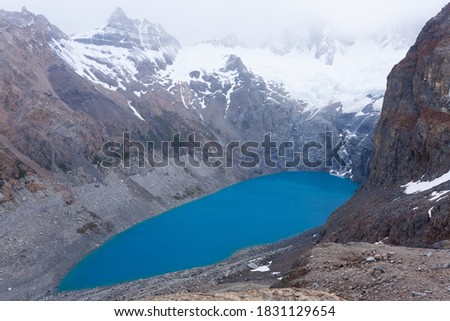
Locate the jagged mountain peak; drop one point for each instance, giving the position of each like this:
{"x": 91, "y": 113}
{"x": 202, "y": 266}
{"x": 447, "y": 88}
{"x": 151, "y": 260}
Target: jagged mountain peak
{"x": 322, "y": 42}
{"x": 283, "y": 43}
{"x": 24, "y": 10}
{"x": 119, "y": 13}
{"x": 119, "y": 20}
{"x": 234, "y": 63}
{"x": 229, "y": 41}
{"x": 325, "y": 44}
{"x": 122, "y": 31}
{"x": 19, "y": 19}
{"x": 38, "y": 25}
{"x": 123, "y": 51}
{"x": 325, "y": 47}
{"x": 154, "y": 36}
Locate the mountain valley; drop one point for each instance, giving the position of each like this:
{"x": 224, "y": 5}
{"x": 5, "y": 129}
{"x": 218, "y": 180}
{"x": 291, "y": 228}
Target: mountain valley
{"x": 63, "y": 97}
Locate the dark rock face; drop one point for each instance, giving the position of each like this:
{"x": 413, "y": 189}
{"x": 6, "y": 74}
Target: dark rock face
{"x": 411, "y": 144}
{"x": 31, "y": 116}
{"x": 416, "y": 113}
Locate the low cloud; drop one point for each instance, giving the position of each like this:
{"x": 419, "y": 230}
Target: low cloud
{"x": 253, "y": 21}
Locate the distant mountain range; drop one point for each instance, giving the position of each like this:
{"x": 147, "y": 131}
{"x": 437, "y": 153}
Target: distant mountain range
{"x": 321, "y": 82}
{"x": 319, "y": 70}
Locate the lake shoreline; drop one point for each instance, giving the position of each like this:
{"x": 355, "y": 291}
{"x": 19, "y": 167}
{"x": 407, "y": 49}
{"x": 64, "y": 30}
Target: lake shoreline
{"x": 231, "y": 272}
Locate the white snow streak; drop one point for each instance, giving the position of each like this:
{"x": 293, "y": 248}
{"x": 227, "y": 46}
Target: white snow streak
{"x": 135, "y": 111}
{"x": 437, "y": 196}
{"x": 182, "y": 97}
{"x": 429, "y": 212}
{"x": 419, "y": 186}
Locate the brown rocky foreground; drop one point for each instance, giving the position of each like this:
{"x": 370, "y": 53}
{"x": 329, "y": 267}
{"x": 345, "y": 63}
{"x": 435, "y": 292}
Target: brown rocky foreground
{"x": 353, "y": 271}
{"x": 361, "y": 271}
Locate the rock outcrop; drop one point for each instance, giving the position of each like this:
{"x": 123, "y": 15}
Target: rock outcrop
{"x": 373, "y": 272}
{"x": 411, "y": 146}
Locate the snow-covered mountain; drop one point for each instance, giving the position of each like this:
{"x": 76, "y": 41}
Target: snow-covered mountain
{"x": 320, "y": 82}
{"x": 122, "y": 52}
{"x": 319, "y": 72}
{"x": 347, "y": 76}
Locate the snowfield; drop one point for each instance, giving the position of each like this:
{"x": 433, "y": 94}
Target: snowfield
{"x": 357, "y": 71}
{"x": 353, "y": 75}
{"x": 419, "y": 186}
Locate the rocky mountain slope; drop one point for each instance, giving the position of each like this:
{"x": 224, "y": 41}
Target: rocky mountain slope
{"x": 362, "y": 271}
{"x": 406, "y": 197}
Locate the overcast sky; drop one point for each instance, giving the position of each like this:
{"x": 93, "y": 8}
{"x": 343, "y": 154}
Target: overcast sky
{"x": 193, "y": 21}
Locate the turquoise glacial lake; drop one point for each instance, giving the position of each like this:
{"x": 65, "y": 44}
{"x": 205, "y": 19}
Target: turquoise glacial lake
{"x": 258, "y": 211}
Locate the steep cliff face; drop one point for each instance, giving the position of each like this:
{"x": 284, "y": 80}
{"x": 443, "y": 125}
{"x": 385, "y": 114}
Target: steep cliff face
{"x": 406, "y": 198}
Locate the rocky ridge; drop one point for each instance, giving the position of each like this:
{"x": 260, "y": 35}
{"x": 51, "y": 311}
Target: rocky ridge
{"x": 405, "y": 199}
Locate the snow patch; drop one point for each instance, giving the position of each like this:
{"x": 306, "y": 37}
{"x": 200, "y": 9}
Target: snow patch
{"x": 345, "y": 173}
{"x": 355, "y": 75}
{"x": 104, "y": 62}
{"x": 437, "y": 196}
{"x": 182, "y": 97}
{"x": 263, "y": 268}
{"x": 419, "y": 186}
{"x": 429, "y": 212}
